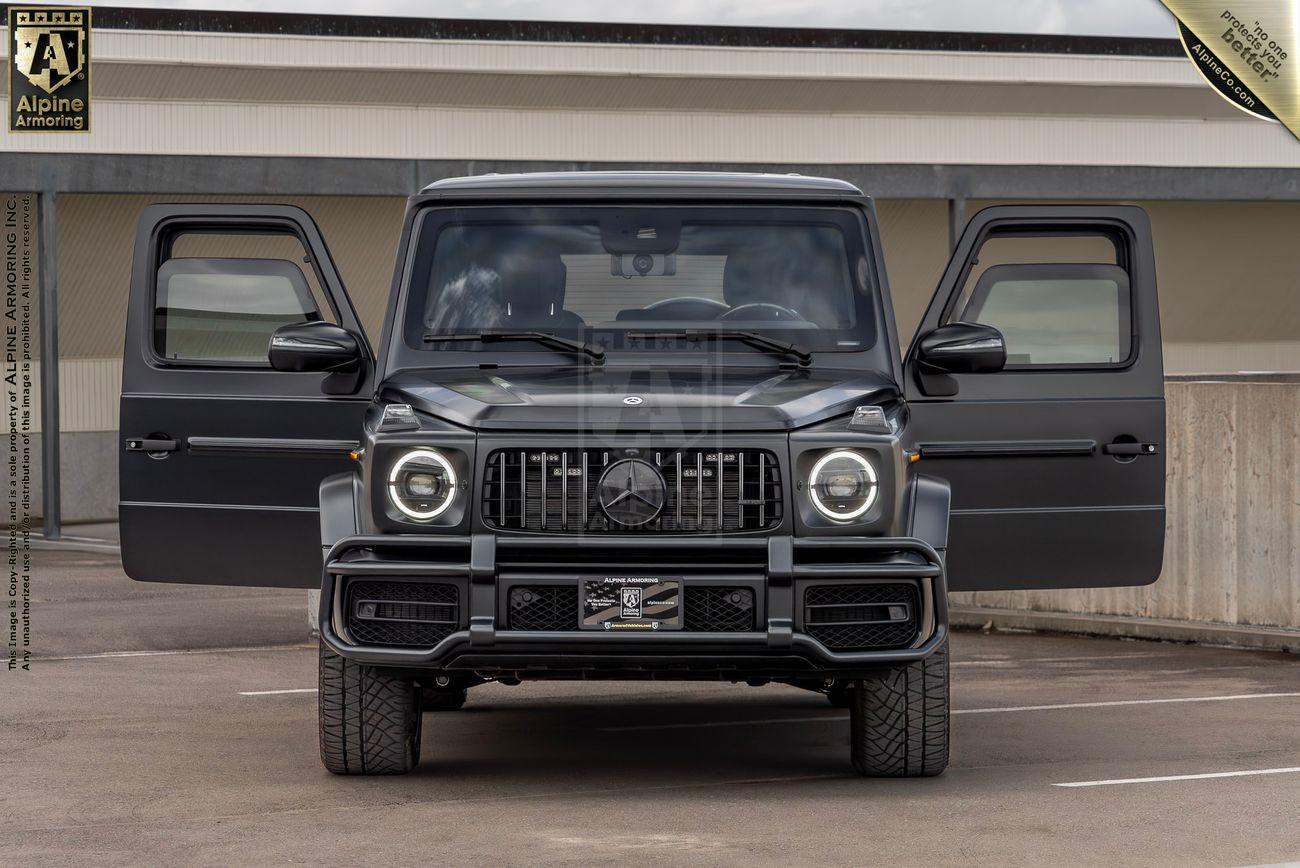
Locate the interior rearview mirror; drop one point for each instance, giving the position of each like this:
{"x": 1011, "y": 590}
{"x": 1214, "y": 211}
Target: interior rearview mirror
{"x": 319, "y": 346}
{"x": 958, "y": 348}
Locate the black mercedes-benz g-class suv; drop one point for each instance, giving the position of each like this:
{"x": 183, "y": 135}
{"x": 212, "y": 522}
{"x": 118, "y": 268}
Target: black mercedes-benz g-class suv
{"x": 641, "y": 425}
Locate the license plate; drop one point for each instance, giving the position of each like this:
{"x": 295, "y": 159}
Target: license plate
{"x": 631, "y": 603}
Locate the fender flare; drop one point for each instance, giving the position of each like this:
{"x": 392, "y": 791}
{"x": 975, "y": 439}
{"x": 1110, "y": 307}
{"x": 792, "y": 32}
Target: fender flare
{"x": 339, "y": 517}
{"x": 931, "y": 502}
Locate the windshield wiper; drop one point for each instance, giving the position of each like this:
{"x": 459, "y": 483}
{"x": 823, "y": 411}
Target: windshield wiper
{"x": 753, "y": 339}
{"x": 547, "y": 339}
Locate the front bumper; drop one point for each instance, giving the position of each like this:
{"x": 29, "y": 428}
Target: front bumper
{"x": 485, "y": 566}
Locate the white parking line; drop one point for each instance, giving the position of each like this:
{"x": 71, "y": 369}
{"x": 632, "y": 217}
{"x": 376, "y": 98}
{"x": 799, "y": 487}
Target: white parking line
{"x": 995, "y": 710}
{"x": 277, "y": 692}
{"x": 1013, "y": 661}
{"x": 1164, "y": 778}
{"x": 108, "y": 655}
{"x": 1115, "y": 702}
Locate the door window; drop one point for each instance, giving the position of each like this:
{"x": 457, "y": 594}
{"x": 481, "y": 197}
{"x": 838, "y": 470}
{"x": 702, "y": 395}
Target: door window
{"x": 219, "y": 298}
{"x": 1056, "y": 314}
{"x": 1060, "y": 298}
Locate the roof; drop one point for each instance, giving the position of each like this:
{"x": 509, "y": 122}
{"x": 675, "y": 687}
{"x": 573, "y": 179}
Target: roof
{"x": 562, "y": 185}
{"x": 394, "y": 27}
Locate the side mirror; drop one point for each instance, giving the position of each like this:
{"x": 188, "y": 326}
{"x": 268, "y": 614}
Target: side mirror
{"x": 319, "y": 346}
{"x": 963, "y": 348}
{"x": 958, "y": 348}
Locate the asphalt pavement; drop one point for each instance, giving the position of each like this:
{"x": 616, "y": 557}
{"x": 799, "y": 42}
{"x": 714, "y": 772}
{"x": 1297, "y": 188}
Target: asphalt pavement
{"x": 173, "y": 725}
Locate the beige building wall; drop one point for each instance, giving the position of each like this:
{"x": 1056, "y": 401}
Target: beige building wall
{"x": 914, "y": 234}
{"x": 1228, "y": 275}
{"x": 96, "y": 241}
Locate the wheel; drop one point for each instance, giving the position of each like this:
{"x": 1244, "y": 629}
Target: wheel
{"x": 369, "y": 721}
{"x": 432, "y": 699}
{"x": 840, "y": 694}
{"x": 898, "y": 721}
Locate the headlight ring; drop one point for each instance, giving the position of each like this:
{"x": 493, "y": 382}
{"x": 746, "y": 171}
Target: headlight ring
{"x": 843, "y": 485}
{"x": 422, "y": 484}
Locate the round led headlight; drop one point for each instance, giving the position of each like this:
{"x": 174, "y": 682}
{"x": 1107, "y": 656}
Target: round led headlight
{"x": 843, "y": 485}
{"x": 422, "y": 484}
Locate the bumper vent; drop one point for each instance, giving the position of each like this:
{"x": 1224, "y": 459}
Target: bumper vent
{"x": 705, "y": 491}
{"x": 855, "y": 617}
{"x": 544, "y": 607}
{"x": 719, "y": 610}
{"x": 401, "y": 613}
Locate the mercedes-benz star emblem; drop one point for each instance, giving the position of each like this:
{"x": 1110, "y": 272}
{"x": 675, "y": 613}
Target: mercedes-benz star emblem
{"x": 633, "y": 400}
{"x": 631, "y": 492}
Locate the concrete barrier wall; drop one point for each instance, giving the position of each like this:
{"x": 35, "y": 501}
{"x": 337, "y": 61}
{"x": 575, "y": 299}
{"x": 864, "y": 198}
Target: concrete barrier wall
{"x": 1232, "y": 534}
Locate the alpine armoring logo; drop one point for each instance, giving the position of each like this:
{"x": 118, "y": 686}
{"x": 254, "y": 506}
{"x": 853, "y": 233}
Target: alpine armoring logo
{"x": 49, "y": 80}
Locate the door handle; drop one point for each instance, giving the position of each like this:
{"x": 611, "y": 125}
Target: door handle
{"x": 1130, "y": 450}
{"x": 149, "y": 444}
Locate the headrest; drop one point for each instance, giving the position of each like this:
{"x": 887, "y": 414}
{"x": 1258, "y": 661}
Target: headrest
{"x": 532, "y": 285}
{"x": 751, "y": 275}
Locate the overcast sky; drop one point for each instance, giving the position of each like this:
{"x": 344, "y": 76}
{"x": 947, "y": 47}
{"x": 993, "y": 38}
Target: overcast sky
{"x": 1100, "y": 17}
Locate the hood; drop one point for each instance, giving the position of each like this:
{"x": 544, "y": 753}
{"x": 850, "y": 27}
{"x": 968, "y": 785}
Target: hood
{"x": 609, "y": 398}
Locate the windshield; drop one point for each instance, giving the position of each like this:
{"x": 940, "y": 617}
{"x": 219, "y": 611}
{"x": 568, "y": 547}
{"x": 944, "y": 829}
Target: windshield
{"x": 609, "y": 275}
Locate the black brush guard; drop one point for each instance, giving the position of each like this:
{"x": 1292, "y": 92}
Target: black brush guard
{"x": 779, "y": 567}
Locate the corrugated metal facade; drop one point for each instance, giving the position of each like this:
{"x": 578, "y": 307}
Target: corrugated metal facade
{"x": 1226, "y": 268}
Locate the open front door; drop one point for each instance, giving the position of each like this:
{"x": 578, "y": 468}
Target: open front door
{"x": 222, "y": 456}
{"x": 1057, "y": 460}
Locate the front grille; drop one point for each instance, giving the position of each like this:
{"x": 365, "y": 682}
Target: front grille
{"x": 882, "y": 615}
{"x": 705, "y": 491}
{"x": 719, "y": 610}
{"x": 401, "y": 613}
{"x": 544, "y": 607}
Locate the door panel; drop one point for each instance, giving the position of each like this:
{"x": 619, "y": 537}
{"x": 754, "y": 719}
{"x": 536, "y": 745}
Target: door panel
{"x": 222, "y": 456}
{"x": 1039, "y": 500}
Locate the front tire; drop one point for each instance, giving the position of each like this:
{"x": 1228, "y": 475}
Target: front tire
{"x": 899, "y": 720}
{"x": 369, "y": 720}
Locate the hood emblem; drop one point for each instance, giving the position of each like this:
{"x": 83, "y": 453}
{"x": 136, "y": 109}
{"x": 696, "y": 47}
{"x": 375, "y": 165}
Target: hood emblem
{"x": 633, "y": 400}
{"x": 631, "y": 492}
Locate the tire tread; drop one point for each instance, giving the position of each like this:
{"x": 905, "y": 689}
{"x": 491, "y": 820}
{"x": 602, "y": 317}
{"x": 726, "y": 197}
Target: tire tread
{"x": 899, "y": 720}
{"x": 369, "y": 721}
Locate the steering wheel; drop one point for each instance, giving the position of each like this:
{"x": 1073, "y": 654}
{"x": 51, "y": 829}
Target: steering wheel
{"x": 686, "y": 307}
{"x": 761, "y": 310}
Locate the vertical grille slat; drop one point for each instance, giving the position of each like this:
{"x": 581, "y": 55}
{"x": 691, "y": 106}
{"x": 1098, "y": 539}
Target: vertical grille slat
{"x": 721, "y": 522}
{"x": 740, "y": 496}
{"x": 519, "y": 491}
{"x": 677, "y": 492}
{"x": 544, "y": 503}
{"x": 523, "y": 490}
{"x": 699, "y": 491}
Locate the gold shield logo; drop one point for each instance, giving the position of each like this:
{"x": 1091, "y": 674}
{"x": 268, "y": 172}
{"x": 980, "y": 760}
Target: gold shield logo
{"x": 50, "y": 46}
